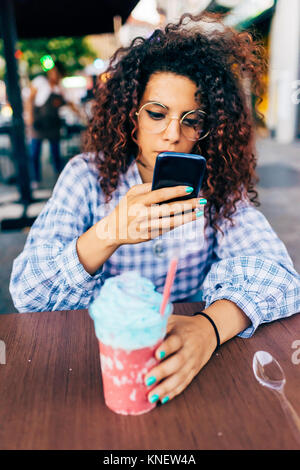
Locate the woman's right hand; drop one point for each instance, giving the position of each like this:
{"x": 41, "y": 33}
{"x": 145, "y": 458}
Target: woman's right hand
{"x": 143, "y": 214}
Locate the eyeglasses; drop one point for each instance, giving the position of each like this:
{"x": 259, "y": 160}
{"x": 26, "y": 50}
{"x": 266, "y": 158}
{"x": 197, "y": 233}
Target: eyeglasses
{"x": 153, "y": 118}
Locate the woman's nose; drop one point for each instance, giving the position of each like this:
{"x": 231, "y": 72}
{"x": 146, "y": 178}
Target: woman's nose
{"x": 173, "y": 130}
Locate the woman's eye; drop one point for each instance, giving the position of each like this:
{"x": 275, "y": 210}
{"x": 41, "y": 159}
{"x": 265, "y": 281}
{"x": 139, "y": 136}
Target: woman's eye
{"x": 154, "y": 115}
{"x": 191, "y": 122}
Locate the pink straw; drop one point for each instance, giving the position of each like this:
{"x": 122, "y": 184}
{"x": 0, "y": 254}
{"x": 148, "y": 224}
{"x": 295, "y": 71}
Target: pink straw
{"x": 168, "y": 284}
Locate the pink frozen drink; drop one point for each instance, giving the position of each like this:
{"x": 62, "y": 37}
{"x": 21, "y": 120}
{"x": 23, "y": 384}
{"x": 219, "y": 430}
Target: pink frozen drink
{"x": 129, "y": 328}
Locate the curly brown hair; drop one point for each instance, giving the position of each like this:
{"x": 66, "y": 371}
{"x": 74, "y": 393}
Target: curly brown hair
{"x": 227, "y": 67}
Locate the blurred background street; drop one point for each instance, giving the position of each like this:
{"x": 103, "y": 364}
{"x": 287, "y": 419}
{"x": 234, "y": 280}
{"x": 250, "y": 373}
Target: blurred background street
{"x": 85, "y": 47}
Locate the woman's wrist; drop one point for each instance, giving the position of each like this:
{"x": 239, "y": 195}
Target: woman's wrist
{"x": 106, "y": 232}
{"x": 94, "y": 247}
{"x": 210, "y": 320}
{"x": 206, "y": 332}
{"x": 229, "y": 319}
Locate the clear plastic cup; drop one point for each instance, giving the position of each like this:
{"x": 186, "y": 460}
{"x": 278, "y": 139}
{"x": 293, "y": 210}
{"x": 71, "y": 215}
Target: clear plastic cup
{"x": 127, "y": 353}
{"x": 123, "y": 374}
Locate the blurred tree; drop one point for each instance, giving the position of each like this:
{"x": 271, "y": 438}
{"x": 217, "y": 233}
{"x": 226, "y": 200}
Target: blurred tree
{"x": 74, "y": 52}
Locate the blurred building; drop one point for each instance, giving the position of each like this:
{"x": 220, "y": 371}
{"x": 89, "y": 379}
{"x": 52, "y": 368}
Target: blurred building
{"x": 105, "y": 44}
{"x": 143, "y": 20}
{"x": 283, "y": 117}
{"x": 175, "y": 8}
{"x": 277, "y": 24}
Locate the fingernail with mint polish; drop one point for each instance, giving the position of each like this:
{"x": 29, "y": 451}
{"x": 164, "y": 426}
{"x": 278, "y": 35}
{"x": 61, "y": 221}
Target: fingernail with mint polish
{"x": 189, "y": 189}
{"x": 150, "y": 381}
{"x": 202, "y": 201}
{"x": 162, "y": 354}
{"x": 198, "y": 214}
{"x": 164, "y": 400}
{"x": 153, "y": 398}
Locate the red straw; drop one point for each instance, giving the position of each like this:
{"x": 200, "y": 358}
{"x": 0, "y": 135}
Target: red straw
{"x": 168, "y": 284}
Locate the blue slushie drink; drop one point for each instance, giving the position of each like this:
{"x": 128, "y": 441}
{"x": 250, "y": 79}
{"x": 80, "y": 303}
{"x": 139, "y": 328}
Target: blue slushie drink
{"x": 129, "y": 328}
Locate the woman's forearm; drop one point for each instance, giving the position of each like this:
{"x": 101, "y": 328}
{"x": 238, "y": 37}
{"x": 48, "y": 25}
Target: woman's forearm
{"x": 229, "y": 319}
{"x": 93, "y": 250}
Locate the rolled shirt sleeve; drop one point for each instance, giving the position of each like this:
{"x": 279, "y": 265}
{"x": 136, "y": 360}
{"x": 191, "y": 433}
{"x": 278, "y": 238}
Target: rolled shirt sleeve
{"x": 253, "y": 269}
{"x": 48, "y": 275}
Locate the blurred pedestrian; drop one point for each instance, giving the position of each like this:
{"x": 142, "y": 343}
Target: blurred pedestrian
{"x": 45, "y": 100}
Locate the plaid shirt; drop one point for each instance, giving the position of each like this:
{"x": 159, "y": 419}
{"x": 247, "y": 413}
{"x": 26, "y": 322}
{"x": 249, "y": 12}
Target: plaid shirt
{"x": 249, "y": 265}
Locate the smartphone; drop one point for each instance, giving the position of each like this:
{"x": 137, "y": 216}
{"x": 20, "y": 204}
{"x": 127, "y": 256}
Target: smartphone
{"x": 176, "y": 169}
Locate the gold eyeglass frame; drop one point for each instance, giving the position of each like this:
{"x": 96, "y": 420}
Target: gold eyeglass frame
{"x": 173, "y": 117}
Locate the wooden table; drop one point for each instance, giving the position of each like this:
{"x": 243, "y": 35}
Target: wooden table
{"x": 51, "y": 393}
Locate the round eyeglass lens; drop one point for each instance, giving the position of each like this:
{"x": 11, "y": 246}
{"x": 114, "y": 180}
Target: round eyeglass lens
{"x": 153, "y": 118}
{"x": 193, "y": 125}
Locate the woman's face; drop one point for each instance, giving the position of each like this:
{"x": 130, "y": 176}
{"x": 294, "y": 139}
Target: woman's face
{"x": 177, "y": 93}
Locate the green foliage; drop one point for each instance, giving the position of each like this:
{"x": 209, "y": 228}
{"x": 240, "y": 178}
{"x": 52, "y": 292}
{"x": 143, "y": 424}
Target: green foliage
{"x": 75, "y": 53}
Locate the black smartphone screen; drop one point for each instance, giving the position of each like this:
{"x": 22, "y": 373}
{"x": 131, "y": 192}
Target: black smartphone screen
{"x": 176, "y": 169}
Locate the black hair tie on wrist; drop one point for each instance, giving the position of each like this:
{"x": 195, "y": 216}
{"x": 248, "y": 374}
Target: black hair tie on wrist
{"x": 214, "y": 326}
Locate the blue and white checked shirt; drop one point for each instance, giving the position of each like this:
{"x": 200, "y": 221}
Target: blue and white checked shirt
{"x": 249, "y": 265}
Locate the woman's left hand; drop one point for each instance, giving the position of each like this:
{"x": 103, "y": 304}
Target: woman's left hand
{"x": 189, "y": 344}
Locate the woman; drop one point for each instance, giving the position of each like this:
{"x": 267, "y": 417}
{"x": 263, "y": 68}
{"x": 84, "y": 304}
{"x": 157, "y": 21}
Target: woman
{"x": 243, "y": 269}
